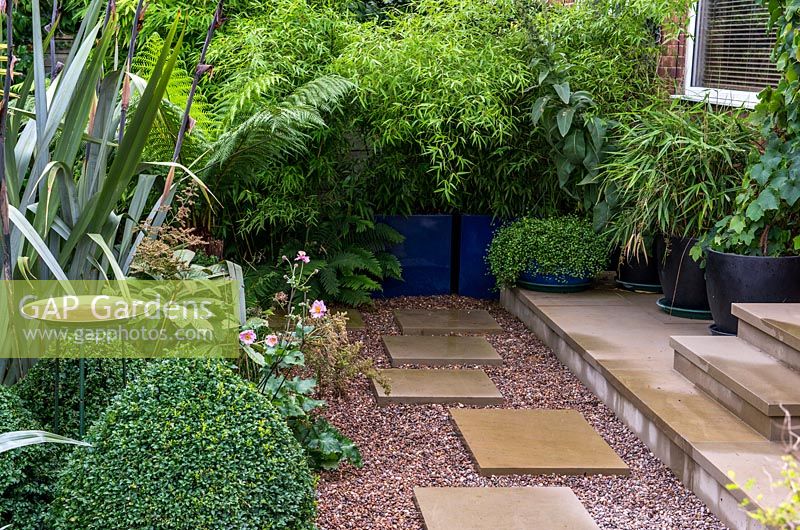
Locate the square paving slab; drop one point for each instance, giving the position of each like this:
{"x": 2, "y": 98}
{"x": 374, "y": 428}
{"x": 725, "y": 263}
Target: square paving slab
{"x": 438, "y": 351}
{"x": 535, "y": 442}
{"x": 502, "y": 509}
{"x": 445, "y": 321}
{"x": 470, "y": 387}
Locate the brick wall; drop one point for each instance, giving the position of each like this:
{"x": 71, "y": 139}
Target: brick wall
{"x": 673, "y": 63}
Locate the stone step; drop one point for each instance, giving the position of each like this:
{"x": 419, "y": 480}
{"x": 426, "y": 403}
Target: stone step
{"x": 745, "y": 380}
{"x": 439, "y": 351}
{"x": 772, "y": 328}
{"x": 550, "y": 508}
{"x": 446, "y": 321}
{"x": 470, "y": 387}
{"x": 535, "y": 442}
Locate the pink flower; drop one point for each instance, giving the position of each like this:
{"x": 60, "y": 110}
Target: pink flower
{"x": 272, "y": 340}
{"x": 318, "y": 309}
{"x": 247, "y": 336}
{"x": 302, "y": 256}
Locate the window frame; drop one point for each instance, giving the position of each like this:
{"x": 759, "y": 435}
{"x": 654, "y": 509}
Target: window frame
{"x": 715, "y": 96}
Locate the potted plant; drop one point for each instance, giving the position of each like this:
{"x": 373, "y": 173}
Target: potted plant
{"x": 557, "y": 254}
{"x": 669, "y": 178}
{"x": 753, "y": 254}
{"x": 639, "y": 272}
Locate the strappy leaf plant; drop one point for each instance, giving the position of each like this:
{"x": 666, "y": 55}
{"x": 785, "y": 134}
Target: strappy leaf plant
{"x": 69, "y": 161}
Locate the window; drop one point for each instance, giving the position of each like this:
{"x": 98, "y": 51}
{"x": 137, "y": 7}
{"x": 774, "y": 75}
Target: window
{"x": 728, "y": 60}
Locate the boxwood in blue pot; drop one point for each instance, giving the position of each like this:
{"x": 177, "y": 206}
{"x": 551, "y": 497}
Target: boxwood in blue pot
{"x": 556, "y": 254}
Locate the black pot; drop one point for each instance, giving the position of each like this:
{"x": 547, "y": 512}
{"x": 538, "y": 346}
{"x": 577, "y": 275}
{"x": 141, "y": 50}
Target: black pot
{"x": 639, "y": 271}
{"x": 733, "y": 278}
{"x": 682, "y": 279}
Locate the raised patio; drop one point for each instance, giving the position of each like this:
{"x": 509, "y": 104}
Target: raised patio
{"x": 618, "y": 344}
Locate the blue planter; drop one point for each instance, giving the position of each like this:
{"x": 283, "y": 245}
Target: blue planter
{"x": 426, "y": 255}
{"x": 474, "y": 278}
{"x": 553, "y": 284}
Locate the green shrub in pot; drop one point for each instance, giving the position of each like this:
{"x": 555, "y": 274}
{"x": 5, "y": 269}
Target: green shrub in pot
{"x": 672, "y": 172}
{"x": 754, "y": 251}
{"x": 561, "y": 247}
{"x": 671, "y": 175}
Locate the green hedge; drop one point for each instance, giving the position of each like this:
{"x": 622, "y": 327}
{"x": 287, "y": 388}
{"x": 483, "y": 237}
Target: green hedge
{"x": 26, "y": 474}
{"x": 189, "y": 445}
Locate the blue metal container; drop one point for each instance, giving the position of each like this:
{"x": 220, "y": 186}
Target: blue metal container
{"x": 553, "y": 284}
{"x": 474, "y": 278}
{"x": 426, "y": 255}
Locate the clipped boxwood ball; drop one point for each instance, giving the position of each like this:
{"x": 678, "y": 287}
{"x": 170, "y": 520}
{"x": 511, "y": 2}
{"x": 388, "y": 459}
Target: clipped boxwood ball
{"x": 26, "y": 473}
{"x": 188, "y": 445}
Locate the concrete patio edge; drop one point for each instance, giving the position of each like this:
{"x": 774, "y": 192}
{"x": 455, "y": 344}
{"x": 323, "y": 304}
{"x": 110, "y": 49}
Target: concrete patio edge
{"x": 688, "y": 461}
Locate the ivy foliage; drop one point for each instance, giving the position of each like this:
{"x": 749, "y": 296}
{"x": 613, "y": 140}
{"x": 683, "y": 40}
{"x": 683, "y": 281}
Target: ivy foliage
{"x": 556, "y": 246}
{"x": 188, "y": 445}
{"x": 766, "y": 216}
{"x": 26, "y": 474}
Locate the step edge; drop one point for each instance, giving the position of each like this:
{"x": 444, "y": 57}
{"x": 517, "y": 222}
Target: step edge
{"x": 767, "y": 407}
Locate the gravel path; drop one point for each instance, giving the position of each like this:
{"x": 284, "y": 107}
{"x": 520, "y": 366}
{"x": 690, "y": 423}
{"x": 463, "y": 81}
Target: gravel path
{"x": 417, "y": 445}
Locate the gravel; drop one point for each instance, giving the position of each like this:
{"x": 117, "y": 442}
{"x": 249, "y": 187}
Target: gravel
{"x": 417, "y": 445}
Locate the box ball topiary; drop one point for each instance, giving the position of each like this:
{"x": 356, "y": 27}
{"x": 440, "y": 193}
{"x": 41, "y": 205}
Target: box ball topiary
{"x": 27, "y": 473}
{"x": 103, "y": 382}
{"x": 188, "y": 445}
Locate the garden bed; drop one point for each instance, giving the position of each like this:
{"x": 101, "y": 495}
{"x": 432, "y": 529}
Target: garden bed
{"x": 417, "y": 445}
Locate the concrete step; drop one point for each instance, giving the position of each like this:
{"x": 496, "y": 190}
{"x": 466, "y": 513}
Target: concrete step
{"x": 549, "y": 508}
{"x": 439, "y": 351}
{"x": 772, "y": 328}
{"x": 446, "y": 321}
{"x": 744, "y": 379}
{"x": 470, "y": 387}
{"x": 535, "y": 442}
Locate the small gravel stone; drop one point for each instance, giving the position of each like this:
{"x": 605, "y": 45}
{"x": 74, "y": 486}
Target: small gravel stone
{"x": 417, "y": 445}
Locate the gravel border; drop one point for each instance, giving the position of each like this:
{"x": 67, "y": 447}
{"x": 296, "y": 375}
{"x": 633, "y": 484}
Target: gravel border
{"x": 417, "y": 445}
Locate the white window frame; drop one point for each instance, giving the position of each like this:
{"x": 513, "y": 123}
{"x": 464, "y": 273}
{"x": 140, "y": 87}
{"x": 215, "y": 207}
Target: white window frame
{"x": 716, "y": 96}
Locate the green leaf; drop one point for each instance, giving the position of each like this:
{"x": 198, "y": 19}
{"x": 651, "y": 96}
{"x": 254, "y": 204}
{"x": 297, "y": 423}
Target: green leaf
{"x": 600, "y": 215}
{"x": 564, "y": 169}
{"x": 538, "y": 109}
{"x": 767, "y": 200}
{"x": 562, "y": 89}
{"x": 17, "y": 439}
{"x": 575, "y": 147}
{"x": 564, "y": 120}
{"x": 543, "y": 73}
{"x": 760, "y": 173}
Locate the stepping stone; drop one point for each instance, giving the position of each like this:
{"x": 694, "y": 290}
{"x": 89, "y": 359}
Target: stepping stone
{"x": 502, "y": 509}
{"x": 535, "y": 442}
{"x": 354, "y": 319}
{"x": 439, "y": 351}
{"x": 470, "y": 387}
{"x": 445, "y": 321}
